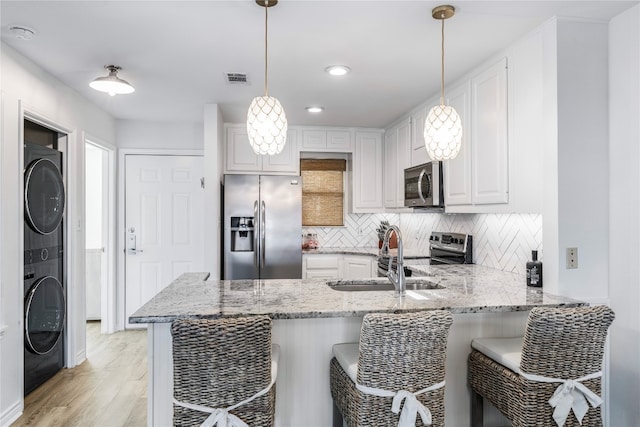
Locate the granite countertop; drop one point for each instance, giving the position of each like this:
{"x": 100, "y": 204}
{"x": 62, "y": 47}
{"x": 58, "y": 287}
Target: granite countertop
{"x": 371, "y": 251}
{"x": 468, "y": 289}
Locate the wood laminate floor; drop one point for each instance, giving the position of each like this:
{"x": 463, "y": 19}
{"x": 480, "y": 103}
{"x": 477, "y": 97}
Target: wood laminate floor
{"x": 108, "y": 389}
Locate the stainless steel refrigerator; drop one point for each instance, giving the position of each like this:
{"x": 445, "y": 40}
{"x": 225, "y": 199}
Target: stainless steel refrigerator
{"x": 262, "y": 227}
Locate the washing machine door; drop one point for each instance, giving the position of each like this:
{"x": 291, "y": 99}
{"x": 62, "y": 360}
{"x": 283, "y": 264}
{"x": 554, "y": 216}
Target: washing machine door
{"x": 45, "y": 310}
{"x": 44, "y": 196}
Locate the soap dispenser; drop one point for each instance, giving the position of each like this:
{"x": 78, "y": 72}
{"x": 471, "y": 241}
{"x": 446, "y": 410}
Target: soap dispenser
{"x": 534, "y": 271}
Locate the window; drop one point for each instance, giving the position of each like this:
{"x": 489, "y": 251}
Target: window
{"x": 322, "y": 192}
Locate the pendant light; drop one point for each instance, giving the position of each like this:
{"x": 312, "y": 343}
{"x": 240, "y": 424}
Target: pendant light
{"x": 443, "y": 127}
{"x": 266, "y": 120}
{"x": 112, "y": 84}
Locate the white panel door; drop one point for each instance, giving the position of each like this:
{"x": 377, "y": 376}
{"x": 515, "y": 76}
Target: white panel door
{"x": 163, "y": 224}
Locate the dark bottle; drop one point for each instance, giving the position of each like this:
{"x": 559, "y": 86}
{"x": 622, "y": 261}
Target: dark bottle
{"x": 534, "y": 271}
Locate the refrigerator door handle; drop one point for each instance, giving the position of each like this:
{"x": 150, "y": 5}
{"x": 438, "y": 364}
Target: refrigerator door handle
{"x": 262, "y": 235}
{"x": 255, "y": 235}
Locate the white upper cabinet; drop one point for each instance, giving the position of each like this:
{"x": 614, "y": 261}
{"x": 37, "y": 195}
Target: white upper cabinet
{"x": 240, "y": 157}
{"x": 418, "y": 149}
{"x": 337, "y": 141}
{"x": 367, "y": 172}
{"x": 489, "y": 155}
{"x": 479, "y": 175}
{"x": 457, "y": 172}
{"x": 397, "y": 157}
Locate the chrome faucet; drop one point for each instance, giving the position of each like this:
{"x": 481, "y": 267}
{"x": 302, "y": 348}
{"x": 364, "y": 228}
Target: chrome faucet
{"x": 397, "y": 277}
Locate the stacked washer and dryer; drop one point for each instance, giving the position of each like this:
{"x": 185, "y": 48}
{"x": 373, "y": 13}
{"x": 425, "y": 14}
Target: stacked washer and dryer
{"x": 44, "y": 290}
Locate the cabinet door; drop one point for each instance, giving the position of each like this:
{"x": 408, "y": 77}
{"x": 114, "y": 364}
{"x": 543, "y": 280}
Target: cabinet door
{"x": 457, "y": 172}
{"x": 390, "y": 167}
{"x": 403, "y": 159}
{"x": 489, "y": 135}
{"x": 367, "y": 172}
{"x": 356, "y": 267}
{"x": 288, "y": 161}
{"x": 239, "y": 154}
{"x": 321, "y": 266}
{"x": 339, "y": 141}
{"x": 314, "y": 140}
{"x": 419, "y": 151}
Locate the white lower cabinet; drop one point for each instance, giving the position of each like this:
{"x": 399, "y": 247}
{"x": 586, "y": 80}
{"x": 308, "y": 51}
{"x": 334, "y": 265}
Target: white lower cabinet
{"x": 338, "y": 266}
{"x": 321, "y": 266}
{"x": 357, "y": 267}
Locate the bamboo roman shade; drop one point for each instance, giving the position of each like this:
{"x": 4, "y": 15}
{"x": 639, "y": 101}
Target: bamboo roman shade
{"x": 322, "y": 191}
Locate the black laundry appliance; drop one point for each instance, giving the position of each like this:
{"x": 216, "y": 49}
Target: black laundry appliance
{"x": 44, "y": 285}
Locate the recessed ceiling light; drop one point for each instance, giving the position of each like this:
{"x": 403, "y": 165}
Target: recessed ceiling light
{"x": 338, "y": 70}
{"x": 22, "y": 32}
{"x": 315, "y": 109}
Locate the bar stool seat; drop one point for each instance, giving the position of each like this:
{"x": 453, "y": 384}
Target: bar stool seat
{"x": 539, "y": 379}
{"x": 395, "y": 374}
{"x": 224, "y": 372}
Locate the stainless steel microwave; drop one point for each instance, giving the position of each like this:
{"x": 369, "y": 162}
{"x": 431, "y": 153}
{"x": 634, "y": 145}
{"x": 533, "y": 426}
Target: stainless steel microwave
{"x": 423, "y": 186}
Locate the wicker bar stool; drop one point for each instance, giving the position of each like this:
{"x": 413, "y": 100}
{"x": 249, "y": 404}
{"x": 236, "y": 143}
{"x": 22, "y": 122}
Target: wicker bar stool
{"x": 224, "y": 372}
{"x": 554, "y": 369}
{"x": 399, "y": 362}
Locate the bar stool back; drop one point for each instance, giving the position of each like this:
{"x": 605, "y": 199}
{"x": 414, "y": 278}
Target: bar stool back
{"x": 399, "y": 356}
{"x": 562, "y": 352}
{"x": 220, "y": 364}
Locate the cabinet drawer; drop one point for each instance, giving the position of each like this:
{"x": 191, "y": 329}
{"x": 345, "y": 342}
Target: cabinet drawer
{"x": 322, "y": 262}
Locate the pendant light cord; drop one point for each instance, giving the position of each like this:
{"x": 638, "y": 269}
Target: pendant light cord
{"x": 266, "y": 63}
{"x": 442, "y": 62}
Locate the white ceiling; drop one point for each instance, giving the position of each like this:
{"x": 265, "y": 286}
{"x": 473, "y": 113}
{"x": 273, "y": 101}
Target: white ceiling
{"x": 175, "y": 53}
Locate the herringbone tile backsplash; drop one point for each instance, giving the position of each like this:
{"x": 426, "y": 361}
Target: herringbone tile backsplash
{"x": 502, "y": 241}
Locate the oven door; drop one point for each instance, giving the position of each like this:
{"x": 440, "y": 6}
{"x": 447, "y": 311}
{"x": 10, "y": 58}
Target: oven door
{"x": 441, "y": 256}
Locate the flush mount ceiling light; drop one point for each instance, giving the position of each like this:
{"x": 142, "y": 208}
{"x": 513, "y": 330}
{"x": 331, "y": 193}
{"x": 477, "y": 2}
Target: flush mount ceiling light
{"x": 338, "y": 70}
{"x": 314, "y": 109}
{"x": 266, "y": 120}
{"x": 443, "y": 127}
{"x": 112, "y": 84}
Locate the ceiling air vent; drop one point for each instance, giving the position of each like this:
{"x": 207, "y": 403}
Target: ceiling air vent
{"x": 237, "y": 78}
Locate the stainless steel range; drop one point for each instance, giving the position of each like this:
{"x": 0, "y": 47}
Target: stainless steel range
{"x": 450, "y": 248}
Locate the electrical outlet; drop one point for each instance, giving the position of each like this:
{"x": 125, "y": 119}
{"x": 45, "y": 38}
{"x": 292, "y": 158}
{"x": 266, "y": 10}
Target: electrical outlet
{"x": 572, "y": 257}
{"x": 360, "y": 231}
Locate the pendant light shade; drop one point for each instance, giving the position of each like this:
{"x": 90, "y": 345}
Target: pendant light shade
{"x": 266, "y": 125}
{"x": 112, "y": 84}
{"x": 443, "y": 132}
{"x": 443, "y": 127}
{"x": 266, "y": 119}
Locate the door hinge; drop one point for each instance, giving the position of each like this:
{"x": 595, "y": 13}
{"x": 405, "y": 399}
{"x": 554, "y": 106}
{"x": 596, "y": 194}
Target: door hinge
{"x": 202, "y": 182}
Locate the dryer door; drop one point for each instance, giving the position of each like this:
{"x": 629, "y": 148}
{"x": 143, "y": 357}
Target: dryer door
{"x": 45, "y": 310}
{"x": 44, "y": 196}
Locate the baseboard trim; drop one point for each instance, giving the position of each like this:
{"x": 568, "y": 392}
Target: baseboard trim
{"x": 12, "y": 413}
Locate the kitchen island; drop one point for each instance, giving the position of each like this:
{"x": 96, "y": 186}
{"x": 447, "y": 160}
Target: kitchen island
{"x": 309, "y": 317}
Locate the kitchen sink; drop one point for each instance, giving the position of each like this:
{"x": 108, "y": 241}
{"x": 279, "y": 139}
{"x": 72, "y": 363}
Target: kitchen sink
{"x": 381, "y": 284}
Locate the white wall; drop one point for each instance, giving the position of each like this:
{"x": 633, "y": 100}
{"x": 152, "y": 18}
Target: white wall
{"x": 624, "y": 221}
{"x": 157, "y": 135}
{"x": 577, "y": 162}
{"x": 48, "y": 98}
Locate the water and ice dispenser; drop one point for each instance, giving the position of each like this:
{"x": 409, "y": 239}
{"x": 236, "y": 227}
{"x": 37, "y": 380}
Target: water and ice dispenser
{"x": 242, "y": 234}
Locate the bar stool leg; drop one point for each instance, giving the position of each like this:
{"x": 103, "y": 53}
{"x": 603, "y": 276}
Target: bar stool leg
{"x": 337, "y": 416}
{"x": 476, "y": 410}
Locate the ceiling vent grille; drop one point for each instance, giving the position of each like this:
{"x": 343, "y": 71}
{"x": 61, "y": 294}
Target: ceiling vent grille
{"x": 237, "y": 78}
